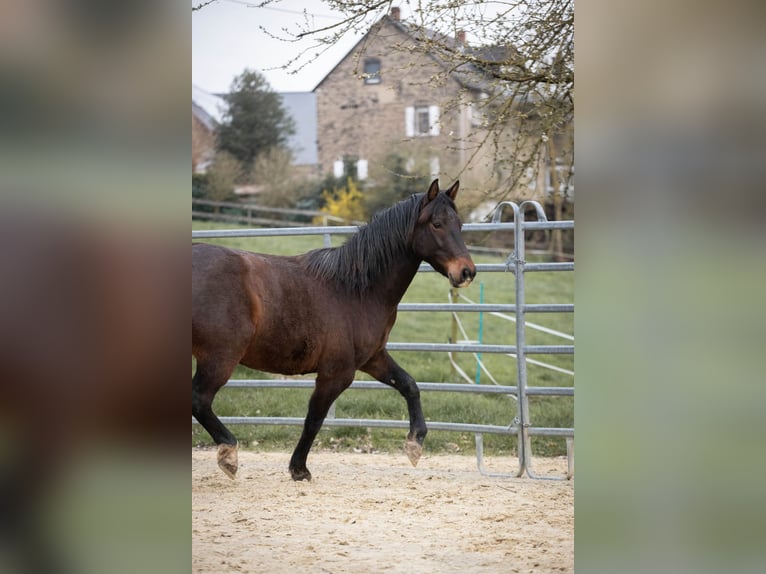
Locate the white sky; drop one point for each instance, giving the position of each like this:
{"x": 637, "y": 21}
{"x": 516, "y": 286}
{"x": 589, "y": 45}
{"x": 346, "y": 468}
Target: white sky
{"x": 226, "y": 39}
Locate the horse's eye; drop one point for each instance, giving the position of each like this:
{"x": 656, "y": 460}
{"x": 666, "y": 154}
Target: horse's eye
{"x": 436, "y": 224}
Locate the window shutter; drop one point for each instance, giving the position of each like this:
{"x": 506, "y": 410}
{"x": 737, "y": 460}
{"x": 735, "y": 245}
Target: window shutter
{"x": 337, "y": 168}
{"x": 409, "y": 121}
{"x": 433, "y": 120}
{"x": 361, "y": 169}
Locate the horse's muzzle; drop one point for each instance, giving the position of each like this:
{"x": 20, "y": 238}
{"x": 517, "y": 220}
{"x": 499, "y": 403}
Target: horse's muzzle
{"x": 463, "y": 275}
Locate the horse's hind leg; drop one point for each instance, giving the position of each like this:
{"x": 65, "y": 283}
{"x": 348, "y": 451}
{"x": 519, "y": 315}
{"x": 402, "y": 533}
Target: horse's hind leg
{"x": 207, "y": 380}
{"x": 327, "y": 389}
{"x": 387, "y": 371}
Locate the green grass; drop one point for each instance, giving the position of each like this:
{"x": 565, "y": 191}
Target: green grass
{"x": 424, "y": 367}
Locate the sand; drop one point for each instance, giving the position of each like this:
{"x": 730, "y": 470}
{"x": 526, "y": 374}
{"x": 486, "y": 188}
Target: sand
{"x": 376, "y": 513}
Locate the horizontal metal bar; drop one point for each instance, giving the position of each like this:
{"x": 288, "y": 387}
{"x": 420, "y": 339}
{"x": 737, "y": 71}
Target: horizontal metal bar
{"x": 565, "y": 266}
{"x": 374, "y": 385}
{"x": 551, "y": 391}
{"x": 372, "y": 423}
{"x": 486, "y": 307}
{"x": 547, "y": 431}
{"x": 470, "y": 348}
{"x": 350, "y": 229}
{"x": 527, "y": 225}
{"x": 504, "y": 268}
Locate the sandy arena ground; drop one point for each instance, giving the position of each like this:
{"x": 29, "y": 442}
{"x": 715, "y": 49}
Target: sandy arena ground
{"x": 376, "y": 513}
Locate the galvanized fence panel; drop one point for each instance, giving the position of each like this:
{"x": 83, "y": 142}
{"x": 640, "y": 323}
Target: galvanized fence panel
{"x": 518, "y": 266}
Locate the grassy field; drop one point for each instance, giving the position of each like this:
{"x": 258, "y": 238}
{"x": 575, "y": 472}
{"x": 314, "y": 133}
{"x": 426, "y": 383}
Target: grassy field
{"x": 424, "y": 367}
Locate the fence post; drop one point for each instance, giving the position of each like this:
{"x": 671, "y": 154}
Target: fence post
{"x": 525, "y": 443}
{"x": 517, "y": 260}
{"x": 521, "y": 337}
{"x": 515, "y": 263}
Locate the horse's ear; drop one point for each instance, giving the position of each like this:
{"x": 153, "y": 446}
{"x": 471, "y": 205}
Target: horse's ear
{"x": 433, "y": 191}
{"x": 452, "y": 191}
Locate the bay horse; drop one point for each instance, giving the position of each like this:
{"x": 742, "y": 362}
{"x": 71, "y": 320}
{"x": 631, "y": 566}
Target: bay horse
{"x": 328, "y": 311}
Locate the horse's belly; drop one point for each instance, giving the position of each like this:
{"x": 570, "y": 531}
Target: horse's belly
{"x": 286, "y": 357}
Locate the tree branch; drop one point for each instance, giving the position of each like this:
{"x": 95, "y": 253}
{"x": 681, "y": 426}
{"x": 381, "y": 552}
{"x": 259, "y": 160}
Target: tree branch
{"x": 201, "y": 5}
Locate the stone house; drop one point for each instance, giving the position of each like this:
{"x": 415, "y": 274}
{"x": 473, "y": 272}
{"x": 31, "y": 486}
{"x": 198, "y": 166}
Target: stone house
{"x": 379, "y": 99}
{"x": 389, "y": 95}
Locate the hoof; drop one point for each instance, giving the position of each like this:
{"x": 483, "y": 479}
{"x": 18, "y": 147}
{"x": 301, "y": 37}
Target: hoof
{"x": 300, "y": 474}
{"x": 227, "y": 459}
{"x": 413, "y": 451}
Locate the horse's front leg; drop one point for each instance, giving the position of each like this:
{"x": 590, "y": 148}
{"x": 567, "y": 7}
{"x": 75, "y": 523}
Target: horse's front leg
{"x": 387, "y": 371}
{"x": 327, "y": 389}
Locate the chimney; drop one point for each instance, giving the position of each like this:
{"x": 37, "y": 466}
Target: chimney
{"x": 395, "y": 13}
{"x": 460, "y": 37}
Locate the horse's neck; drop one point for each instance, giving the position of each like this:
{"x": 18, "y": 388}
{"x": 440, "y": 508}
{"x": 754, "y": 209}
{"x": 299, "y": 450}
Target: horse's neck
{"x": 396, "y": 281}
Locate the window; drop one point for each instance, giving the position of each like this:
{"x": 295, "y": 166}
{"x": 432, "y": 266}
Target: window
{"x": 421, "y": 121}
{"x": 361, "y": 169}
{"x": 350, "y": 166}
{"x": 371, "y": 71}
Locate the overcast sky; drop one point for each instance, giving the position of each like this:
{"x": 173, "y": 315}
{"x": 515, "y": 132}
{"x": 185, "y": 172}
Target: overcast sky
{"x": 226, "y": 39}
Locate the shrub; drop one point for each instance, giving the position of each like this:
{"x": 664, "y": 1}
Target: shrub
{"x": 344, "y": 202}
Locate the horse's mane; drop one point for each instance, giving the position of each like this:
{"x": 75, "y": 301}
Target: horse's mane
{"x": 367, "y": 255}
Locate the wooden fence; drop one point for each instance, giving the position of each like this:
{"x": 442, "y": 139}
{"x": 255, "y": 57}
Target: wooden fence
{"x": 260, "y": 215}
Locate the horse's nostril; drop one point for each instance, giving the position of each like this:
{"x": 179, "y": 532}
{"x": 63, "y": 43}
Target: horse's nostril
{"x": 467, "y": 274}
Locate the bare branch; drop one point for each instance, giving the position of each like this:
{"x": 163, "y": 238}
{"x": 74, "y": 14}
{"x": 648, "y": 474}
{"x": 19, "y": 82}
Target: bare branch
{"x": 348, "y": 23}
{"x": 201, "y": 5}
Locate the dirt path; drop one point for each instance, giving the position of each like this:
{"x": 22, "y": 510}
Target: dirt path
{"x": 375, "y": 513}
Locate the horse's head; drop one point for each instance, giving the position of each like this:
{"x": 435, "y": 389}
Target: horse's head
{"x": 437, "y": 240}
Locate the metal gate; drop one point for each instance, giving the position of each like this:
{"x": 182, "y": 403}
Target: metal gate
{"x": 521, "y": 426}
